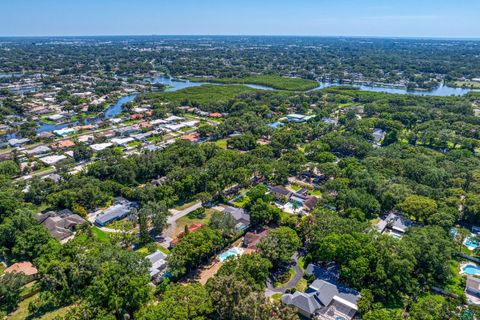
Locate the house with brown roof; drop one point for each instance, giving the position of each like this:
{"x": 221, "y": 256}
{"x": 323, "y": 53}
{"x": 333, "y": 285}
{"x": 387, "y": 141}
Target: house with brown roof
{"x": 215, "y": 115}
{"x": 27, "y": 268}
{"x": 251, "y": 239}
{"x": 65, "y": 144}
{"x": 192, "y": 137}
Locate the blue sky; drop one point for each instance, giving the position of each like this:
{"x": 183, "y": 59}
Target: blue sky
{"x": 399, "y": 18}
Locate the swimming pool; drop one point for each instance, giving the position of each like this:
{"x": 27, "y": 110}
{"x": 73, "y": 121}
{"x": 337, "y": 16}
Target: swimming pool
{"x": 231, "y": 252}
{"x": 470, "y": 269}
{"x": 470, "y": 243}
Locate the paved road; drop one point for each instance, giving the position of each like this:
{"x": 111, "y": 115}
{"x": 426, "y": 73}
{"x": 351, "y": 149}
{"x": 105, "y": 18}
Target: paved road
{"x": 177, "y": 214}
{"x": 271, "y": 290}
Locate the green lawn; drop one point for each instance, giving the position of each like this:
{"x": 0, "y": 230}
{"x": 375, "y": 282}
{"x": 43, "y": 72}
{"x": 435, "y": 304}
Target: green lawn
{"x": 467, "y": 84}
{"x": 242, "y": 202}
{"x": 99, "y": 234}
{"x": 22, "y": 311}
{"x": 123, "y": 224}
{"x": 275, "y": 82}
{"x": 301, "y": 285}
{"x": 186, "y": 221}
{"x": 222, "y": 143}
{"x": 277, "y": 296}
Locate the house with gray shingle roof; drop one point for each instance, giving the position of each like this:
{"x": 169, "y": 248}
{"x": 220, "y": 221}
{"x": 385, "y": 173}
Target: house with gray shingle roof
{"x": 324, "y": 300}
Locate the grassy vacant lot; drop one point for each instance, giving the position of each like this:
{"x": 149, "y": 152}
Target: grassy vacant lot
{"x": 187, "y": 221}
{"x": 275, "y": 82}
{"x": 22, "y": 311}
{"x": 202, "y": 95}
{"x": 467, "y": 84}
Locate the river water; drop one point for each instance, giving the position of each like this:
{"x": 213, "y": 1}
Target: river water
{"x": 175, "y": 85}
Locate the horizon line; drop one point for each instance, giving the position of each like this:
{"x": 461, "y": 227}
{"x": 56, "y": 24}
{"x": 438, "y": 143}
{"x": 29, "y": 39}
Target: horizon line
{"x": 246, "y": 35}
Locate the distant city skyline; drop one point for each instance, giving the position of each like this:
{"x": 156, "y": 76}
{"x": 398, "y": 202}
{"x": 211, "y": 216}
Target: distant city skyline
{"x": 368, "y": 18}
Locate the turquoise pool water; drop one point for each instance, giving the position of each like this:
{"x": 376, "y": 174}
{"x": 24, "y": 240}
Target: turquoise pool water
{"x": 231, "y": 252}
{"x": 470, "y": 243}
{"x": 471, "y": 269}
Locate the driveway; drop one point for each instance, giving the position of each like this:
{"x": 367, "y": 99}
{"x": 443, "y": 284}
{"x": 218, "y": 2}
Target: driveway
{"x": 271, "y": 290}
{"x": 172, "y": 221}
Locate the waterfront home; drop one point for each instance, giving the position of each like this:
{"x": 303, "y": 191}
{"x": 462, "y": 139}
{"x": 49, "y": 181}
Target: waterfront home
{"x": 45, "y": 135}
{"x": 55, "y": 117}
{"x": 324, "y": 300}
{"x": 18, "y": 142}
{"x": 64, "y": 132}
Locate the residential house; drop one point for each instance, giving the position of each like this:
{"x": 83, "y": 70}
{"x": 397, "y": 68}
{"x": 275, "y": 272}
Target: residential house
{"x": 394, "y": 224}
{"x": 251, "y": 239}
{"x": 324, "y": 300}
{"x": 101, "y": 146}
{"x": 107, "y": 134}
{"x": 122, "y": 141}
{"x": 172, "y": 119}
{"x": 242, "y": 218}
{"x": 126, "y": 131}
{"x": 64, "y": 132}
{"x": 37, "y": 151}
{"x": 18, "y": 142}
{"x": 331, "y": 121}
{"x": 298, "y": 117}
{"x": 60, "y": 225}
{"x": 472, "y": 290}
{"x": 215, "y": 115}
{"x": 192, "y": 137}
{"x": 27, "y": 268}
{"x": 378, "y": 135}
{"x": 158, "y": 264}
{"x": 280, "y": 193}
{"x": 119, "y": 210}
{"x": 158, "y": 182}
{"x": 45, "y": 135}
{"x": 65, "y": 144}
{"x": 53, "y": 159}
